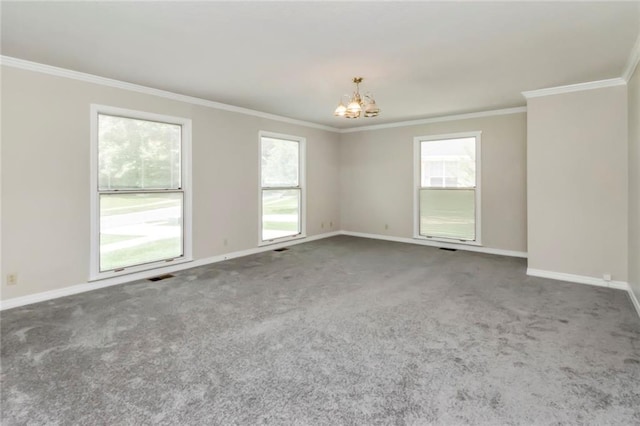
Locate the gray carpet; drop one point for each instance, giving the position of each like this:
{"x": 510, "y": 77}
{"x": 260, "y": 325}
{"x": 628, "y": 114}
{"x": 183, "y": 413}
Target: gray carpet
{"x": 338, "y": 331}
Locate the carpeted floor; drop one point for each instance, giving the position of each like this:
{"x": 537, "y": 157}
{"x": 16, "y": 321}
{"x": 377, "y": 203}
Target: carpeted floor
{"x": 341, "y": 331}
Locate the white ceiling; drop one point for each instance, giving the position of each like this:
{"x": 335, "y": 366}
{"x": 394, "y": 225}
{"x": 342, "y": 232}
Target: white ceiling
{"x": 295, "y": 59}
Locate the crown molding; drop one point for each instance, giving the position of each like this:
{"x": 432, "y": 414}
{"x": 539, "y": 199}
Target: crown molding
{"x": 632, "y": 63}
{"x": 574, "y": 88}
{"x": 440, "y": 119}
{"x": 90, "y": 78}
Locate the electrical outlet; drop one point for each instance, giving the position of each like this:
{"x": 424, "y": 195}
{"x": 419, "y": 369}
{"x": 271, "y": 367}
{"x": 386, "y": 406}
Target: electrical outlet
{"x": 330, "y": 224}
{"x": 225, "y": 242}
{"x": 322, "y": 225}
{"x": 12, "y": 279}
{"x": 386, "y": 226}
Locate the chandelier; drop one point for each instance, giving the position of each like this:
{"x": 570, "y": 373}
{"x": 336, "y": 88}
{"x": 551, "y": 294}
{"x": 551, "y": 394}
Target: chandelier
{"x": 357, "y": 104}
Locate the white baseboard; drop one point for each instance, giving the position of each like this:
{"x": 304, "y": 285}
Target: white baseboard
{"x": 89, "y": 286}
{"x": 108, "y": 282}
{"x": 580, "y": 279}
{"x": 634, "y": 300}
{"x": 488, "y": 250}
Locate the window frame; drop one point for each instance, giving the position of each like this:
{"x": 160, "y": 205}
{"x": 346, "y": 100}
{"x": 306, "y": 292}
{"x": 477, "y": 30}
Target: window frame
{"x": 186, "y": 176}
{"x": 302, "y": 160}
{"x": 417, "y": 186}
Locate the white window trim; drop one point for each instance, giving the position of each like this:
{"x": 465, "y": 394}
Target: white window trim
{"x": 187, "y": 256}
{"x": 417, "y": 185}
{"x": 302, "y": 176}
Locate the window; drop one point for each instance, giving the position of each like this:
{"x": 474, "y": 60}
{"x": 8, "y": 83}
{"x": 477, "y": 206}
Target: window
{"x": 447, "y": 194}
{"x": 281, "y": 187}
{"x": 140, "y": 190}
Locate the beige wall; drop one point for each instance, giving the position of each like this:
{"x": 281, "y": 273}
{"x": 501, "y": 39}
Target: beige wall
{"x": 579, "y": 201}
{"x": 634, "y": 182}
{"x": 577, "y": 182}
{"x": 45, "y": 176}
{"x": 377, "y": 178}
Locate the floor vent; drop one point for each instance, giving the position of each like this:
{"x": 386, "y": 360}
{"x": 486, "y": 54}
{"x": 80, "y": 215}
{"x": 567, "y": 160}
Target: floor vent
{"x": 448, "y": 249}
{"x": 161, "y": 277}
{"x": 282, "y": 249}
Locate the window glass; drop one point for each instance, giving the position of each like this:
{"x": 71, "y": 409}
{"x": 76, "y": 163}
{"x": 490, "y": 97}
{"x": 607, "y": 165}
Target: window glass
{"x": 453, "y": 158}
{"x": 138, "y": 154}
{"x": 139, "y": 228}
{"x": 448, "y": 213}
{"x": 280, "y": 163}
{"x": 280, "y": 213}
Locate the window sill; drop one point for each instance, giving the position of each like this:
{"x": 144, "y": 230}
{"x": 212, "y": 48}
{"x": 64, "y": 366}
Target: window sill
{"x": 448, "y": 241}
{"x": 140, "y": 271}
{"x": 281, "y": 240}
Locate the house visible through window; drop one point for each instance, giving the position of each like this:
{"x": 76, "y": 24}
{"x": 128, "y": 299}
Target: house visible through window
{"x": 141, "y": 190}
{"x": 447, "y": 194}
{"x": 281, "y": 187}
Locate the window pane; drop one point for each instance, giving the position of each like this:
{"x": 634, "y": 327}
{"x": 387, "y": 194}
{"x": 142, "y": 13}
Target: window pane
{"x": 435, "y": 168}
{"x": 280, "y": 213}
{"x": 436, "y": 181}
{"x": 280, "y": 159}
{"x": 451, "y": 168}
{"x": 456, "y": 159}
{"x": 139, "y": 228}
{"x": 448, "y": 213}
{"x": 138, "y": 154}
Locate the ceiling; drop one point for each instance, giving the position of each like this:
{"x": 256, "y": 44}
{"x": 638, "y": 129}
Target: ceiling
{"x": 295, "y": 59}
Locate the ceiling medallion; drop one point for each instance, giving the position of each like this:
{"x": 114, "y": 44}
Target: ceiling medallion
{"x": 357, "y": 105}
